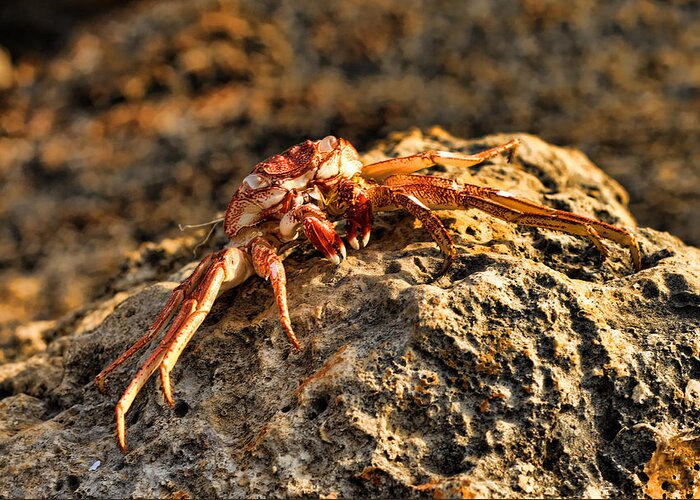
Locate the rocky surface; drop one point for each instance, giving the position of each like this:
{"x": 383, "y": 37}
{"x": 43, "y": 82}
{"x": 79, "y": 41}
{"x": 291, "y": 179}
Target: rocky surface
{"x": 150, "y": 115}
{"x": 531, "y": 369}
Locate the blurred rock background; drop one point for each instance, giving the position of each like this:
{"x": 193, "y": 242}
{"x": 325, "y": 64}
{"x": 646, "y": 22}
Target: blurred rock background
{"x": 118, "y": 122}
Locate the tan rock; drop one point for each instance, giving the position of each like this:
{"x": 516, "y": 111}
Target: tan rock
{"x": 524, "y": 370}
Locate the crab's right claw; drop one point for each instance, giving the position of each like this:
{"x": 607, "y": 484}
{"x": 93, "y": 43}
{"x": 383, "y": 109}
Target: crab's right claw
{"x": 359, "y": 220}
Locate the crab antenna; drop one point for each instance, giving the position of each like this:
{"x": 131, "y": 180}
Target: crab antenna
{"x": 213, "y": 223}
{"x": 190, "y": 226}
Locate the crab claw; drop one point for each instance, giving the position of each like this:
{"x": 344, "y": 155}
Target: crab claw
{"x": 317, "y": 229}
{"x": 359, "y": 219}
{"x": 322, "y": 235}
{"x": 351, "y": 233}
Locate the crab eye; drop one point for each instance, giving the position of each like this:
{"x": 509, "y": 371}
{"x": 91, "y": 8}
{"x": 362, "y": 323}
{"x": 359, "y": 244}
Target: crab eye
{"x": 327, "y": 144}
{"x": 256, "y": 181}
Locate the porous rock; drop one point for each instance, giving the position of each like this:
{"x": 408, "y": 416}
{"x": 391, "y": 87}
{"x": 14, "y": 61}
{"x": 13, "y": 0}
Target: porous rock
{"x": 531, "y": 368}
{"x": 151, "y": 113}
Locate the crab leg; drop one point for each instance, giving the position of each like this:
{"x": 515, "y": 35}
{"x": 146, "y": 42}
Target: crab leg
{"x": 440, "y": 193}
{"x": 177, "y": 296}
{"x": 144, "y": 373}
{"x": 268, "y": 265}
{"x": 231, "y": 267}
{"x": 594, "y": 229}
{"x": 409, "y": 164}
{"x": 431, "y": 223}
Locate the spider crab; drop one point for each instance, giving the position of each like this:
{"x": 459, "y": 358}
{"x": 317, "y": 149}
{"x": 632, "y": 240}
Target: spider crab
{"x": 303, "y": 190}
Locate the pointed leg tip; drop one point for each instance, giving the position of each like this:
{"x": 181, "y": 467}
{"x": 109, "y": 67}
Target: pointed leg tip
{"x": 514, "y": 144}
{"x": 636, "y": 258}
{"x": 334, "y": 259}
{"x": 287, "y": 327}
{"x": 166, "y": 386}
{"x": 100, "y": 384}
{"x": 354, "y": 243}
{"x": 293, "y": 340}
{"x": 170, "y": 401}
{"x": 121, "y": 438}
{"x": 446, "y": 265}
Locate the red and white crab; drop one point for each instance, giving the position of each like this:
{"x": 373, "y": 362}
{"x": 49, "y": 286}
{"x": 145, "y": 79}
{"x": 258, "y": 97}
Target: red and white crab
{"x": 303, "y": 190}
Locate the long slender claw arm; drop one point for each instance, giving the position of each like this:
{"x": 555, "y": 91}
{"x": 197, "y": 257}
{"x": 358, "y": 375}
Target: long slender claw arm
{"x": 268, "y": 265}
{"x": 408, "y": 164}
{"x": 230, "y": 266}
{"x": 439, "y": 193}
{"x": 317, "y": 228}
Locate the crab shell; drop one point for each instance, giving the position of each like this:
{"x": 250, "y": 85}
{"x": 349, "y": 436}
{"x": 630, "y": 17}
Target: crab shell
{"x": 305, "y": 173}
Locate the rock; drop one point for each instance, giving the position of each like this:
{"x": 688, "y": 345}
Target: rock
{"x": 530, "y": 369}
{"x": 147, "y": 114}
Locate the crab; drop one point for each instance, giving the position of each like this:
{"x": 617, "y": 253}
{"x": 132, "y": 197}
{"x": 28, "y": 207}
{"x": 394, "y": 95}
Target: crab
{"x": 304, "y": 190}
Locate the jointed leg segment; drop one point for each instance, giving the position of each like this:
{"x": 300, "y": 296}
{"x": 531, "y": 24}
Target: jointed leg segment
{"x": 409, "y": 164}
{"x": 431, "y": 223}
{"x": 269, "y": 265}
{"x": 166, "y": 314}
{"x": 194, "y": 298}
{"x": 439, "y": 193}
